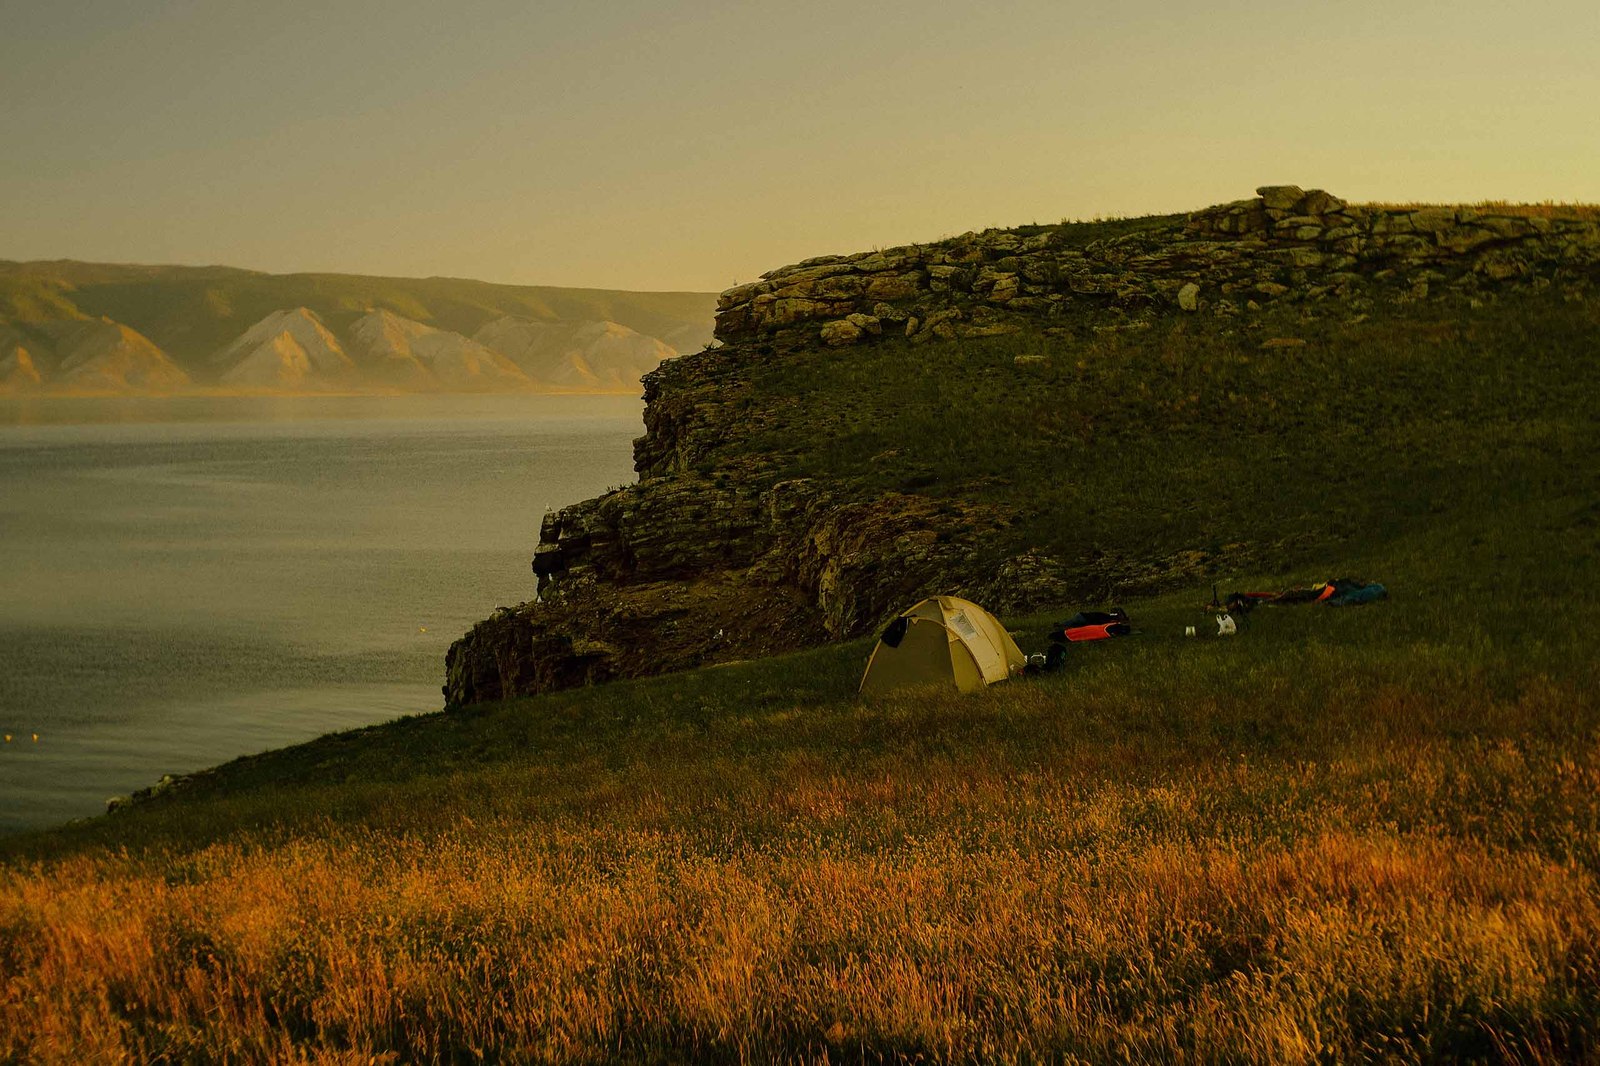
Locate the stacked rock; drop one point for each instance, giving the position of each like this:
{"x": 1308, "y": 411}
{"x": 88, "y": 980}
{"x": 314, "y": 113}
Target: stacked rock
{"x": 1284, "y": 244}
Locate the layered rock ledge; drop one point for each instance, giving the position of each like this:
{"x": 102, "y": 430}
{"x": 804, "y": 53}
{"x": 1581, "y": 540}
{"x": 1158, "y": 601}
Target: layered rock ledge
{"x": 714, "y": 556}
{"x": 1284, "y": 244}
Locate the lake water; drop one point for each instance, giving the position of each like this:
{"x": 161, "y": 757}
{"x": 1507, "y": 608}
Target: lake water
{"x": 188, "y": 580}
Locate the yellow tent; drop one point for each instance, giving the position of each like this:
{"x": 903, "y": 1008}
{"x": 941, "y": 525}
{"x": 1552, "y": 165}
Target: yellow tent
{"x": 943, "y": 640}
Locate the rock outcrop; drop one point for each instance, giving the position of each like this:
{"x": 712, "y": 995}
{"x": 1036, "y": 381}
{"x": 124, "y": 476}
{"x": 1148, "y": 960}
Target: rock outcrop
{"x": 1283, "y": 245}
{"x": 713, "y": 555}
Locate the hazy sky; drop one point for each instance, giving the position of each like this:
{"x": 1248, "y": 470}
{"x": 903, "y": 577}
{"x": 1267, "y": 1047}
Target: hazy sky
{"x": 689, "y": 145}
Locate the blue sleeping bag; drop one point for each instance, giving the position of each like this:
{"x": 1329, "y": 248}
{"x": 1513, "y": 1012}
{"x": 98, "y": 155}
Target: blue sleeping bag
{"x": 1356, "y": 596}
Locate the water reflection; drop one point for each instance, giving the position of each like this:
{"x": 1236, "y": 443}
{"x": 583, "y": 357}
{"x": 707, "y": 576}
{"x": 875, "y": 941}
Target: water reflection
{"x": 256, "y": 572}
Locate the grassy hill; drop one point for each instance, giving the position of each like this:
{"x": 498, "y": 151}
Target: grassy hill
{"x": 193, "y": 312}
{"x": 1192, "y": 448}
{"x": 1369, "y": 833}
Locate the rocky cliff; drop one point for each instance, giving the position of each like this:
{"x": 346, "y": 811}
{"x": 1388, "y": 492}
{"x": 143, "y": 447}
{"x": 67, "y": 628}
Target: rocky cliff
{"x": 718, "y": 553}
{"x": 1283, "y": 245}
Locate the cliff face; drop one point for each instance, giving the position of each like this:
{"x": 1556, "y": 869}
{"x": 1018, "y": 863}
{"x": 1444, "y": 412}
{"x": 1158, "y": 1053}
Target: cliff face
{"x": 717, "y": 553}
{"x": 710, "y": 557}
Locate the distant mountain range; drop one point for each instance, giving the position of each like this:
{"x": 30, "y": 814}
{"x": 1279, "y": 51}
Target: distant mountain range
{"x": 77, "y": 327}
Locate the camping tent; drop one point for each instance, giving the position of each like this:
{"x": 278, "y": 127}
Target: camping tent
{"x": 942, "y": 640}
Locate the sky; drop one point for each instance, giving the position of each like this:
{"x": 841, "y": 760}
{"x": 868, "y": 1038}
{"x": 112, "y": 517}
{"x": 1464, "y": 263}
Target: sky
{"x": 691, "y": 146}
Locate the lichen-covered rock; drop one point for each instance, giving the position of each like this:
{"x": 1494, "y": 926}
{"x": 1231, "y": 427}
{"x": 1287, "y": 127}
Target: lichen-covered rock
{"x": 868, "y": 324}
{"x": 1280, "y": 197}
{"x": 1317, "y": 202}
{"x": 945, "y": 286}
{"x": 840, "y": 332}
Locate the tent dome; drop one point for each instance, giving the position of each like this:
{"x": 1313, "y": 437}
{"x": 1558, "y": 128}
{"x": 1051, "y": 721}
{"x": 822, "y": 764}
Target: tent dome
{"x": 943, "y": 640}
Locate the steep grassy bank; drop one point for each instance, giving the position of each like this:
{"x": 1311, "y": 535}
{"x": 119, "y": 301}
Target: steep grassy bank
{"x": 1372, "y": 833}
{"x": 1141, "y": 458}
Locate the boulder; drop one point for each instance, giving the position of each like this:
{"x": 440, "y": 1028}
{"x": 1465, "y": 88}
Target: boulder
{"x": 893, "y": 286}
{"x": 841, "y": 333}
{"x": 1281, "y": 197}
{"x": 1189, "y": 297}
{"x": 786, "y": 312}
{"x": 1433, "y": 219}
{"x": 1318, "y": 202}
{"x": 740, "y": 294}
{"x": 938, "y": 324}
{"x": 1005, "y": 288}
{"x": 1461, "y": 239}
{"x": 865, "y": 323}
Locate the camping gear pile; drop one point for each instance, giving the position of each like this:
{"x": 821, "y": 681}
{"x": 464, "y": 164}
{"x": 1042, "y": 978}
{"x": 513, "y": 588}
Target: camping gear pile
{"x": 946, "y": 640}
{"x": 1339, "y": 592}
{"x": 1081, "y": 628}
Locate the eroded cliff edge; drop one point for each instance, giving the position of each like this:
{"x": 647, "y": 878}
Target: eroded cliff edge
{"x": 718, "y": 553}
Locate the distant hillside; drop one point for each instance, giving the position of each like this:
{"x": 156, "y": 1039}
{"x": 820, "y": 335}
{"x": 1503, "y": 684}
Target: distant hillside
{"x": 456, "y": 362}
{"x": 85, "y": 355}
{"x": 576, "y": 355}
{"x": 205, "y": 322}
{"x": 286, "y": 349}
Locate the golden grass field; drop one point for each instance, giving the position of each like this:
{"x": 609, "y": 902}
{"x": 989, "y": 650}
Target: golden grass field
{"x": 1047, "y": 872}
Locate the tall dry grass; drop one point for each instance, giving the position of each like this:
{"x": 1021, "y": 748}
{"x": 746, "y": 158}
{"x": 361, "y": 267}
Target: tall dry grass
{"x": 1543, "y": 209}
{"x": 1404, "y": 900}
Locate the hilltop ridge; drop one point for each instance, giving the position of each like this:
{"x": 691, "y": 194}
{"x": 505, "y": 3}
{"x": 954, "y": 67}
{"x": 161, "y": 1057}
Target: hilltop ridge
{"x": 1284, "y": 245}
{"x": 1050, "y": 414}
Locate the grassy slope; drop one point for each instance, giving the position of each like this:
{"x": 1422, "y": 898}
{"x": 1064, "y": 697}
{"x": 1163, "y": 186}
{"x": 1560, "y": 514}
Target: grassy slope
{"x": 193, "y": 312}
{"x": 1343, "y": 834}
{"x": 1187, "y": 449}
{"x": 1371, "y": 831}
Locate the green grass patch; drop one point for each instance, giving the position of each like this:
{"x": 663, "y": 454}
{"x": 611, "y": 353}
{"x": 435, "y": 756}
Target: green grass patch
{"x": 1120, "y": 450}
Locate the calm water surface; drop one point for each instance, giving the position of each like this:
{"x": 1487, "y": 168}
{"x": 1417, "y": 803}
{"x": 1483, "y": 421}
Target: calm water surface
{"x": 188, "y": 580}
